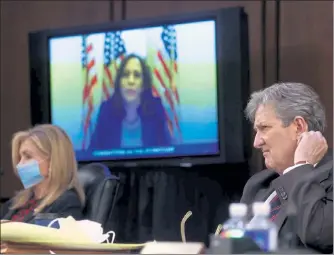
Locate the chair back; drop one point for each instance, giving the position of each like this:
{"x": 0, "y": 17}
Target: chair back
{"x": 101, "y": 189}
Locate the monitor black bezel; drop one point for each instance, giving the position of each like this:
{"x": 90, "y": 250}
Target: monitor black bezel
{"x": 228, "y": 32}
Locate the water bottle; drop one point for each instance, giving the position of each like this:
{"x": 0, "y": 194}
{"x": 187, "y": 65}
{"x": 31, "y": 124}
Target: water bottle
{"x": 234, "y": 227}
{"x": 262, "y": 230}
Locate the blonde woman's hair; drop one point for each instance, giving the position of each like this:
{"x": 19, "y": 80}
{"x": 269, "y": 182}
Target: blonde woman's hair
{"x": 56, "y": 146}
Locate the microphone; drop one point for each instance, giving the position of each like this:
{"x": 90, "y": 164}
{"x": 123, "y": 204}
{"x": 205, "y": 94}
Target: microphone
{"x": 183, "y": 223}
{"x": 218, "y": 229}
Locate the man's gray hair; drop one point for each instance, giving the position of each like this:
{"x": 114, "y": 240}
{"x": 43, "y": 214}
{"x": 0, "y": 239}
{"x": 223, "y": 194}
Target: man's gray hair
{"x": 290, "y": 100}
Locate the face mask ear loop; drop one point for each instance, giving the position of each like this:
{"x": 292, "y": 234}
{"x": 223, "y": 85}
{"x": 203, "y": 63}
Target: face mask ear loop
{"x": 52, "y": 222}
{"x": 113, "y": 236}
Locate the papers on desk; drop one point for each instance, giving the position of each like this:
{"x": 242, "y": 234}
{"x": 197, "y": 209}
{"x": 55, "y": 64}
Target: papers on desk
{"x": 173, "y": 248}
{"x": 68, "y": 237}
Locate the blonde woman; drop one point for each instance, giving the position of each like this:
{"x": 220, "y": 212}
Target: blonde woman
{"x": 44, "y": 160}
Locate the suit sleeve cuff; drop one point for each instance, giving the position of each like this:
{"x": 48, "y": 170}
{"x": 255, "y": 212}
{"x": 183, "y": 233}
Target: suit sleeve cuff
{"x": 286, "y": 182}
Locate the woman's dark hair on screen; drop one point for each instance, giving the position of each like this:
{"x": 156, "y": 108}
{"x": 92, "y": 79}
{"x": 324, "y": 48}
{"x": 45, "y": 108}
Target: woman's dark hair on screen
{"x": 146, "y": 96}
{"x": 112, "y": 112}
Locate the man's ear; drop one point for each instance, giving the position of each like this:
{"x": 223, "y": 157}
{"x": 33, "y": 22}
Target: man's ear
{"x": 301, "y": 125}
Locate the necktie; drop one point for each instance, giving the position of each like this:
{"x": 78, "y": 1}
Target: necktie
{"x": 275, "y": 205}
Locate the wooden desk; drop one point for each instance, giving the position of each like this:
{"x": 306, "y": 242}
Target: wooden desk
{"x": 18, "y": 238}
{"x": 21, "y": 248}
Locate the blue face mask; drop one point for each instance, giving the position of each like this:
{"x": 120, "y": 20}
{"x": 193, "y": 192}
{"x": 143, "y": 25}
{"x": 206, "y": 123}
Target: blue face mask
{"x": 29, "y": 174}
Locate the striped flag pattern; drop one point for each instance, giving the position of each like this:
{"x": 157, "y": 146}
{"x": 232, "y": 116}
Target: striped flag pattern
{"x": 165, "y": 74}
{"x": 114, "y": 53}
{"x": 90, "y": 81}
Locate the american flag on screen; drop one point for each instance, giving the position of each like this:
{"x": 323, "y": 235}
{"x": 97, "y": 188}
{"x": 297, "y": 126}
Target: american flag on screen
{"x": 114, "y": 52}
{"x": 89, "y": 82}
{"x": 165, "y": 75}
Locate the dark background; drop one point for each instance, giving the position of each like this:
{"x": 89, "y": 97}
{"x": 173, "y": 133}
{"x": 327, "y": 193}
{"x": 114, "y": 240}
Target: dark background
{"x": 289, "y": 41}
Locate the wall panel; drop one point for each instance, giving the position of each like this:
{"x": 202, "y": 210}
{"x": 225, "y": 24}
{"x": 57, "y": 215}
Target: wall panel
{"x": 306, "y": 49}
{"x": 17, "y": 19}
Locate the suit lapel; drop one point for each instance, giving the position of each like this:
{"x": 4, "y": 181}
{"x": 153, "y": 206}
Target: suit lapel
{"x": 26, "y": 218}
{"x": 9, "y": 214}
{"x": 281, "y": 216}
{"x": 263, "y": 195}
{"x": 260, "y": 186}
{"x": 29, "y": 217}
{"x": 259, "y": 190}
{"x": 321, "y": 174}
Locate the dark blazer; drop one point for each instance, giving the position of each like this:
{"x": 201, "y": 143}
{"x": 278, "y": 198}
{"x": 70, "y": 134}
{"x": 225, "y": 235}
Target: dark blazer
{"x": 306, "y": 189}
{"x": 68, "y": 204}
{"x": 108, "y": 131}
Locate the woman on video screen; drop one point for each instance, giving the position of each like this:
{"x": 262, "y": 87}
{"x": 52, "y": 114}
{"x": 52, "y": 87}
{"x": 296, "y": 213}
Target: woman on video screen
{"x": 131, "y": 117}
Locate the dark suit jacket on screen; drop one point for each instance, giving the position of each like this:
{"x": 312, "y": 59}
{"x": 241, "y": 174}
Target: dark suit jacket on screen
{"x": 309, "y": 191}
{"x": 68, "y": 204}
{"x": 108, "y": 130}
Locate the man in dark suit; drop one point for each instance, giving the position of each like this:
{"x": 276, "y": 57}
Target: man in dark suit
{"x": 289, "y": 120}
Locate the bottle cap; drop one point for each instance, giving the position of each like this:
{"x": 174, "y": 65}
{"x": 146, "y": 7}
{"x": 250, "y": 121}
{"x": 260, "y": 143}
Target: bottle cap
{"x": 261, "y": 208}
{"x": 238, "y": 210}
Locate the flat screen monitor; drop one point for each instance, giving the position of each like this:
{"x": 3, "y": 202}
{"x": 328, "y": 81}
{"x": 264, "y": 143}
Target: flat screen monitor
{"x": 130, "y": 93}
{"x": 137, "y": 93}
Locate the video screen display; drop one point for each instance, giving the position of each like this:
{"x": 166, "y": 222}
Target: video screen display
{"x": 139, "y": 93}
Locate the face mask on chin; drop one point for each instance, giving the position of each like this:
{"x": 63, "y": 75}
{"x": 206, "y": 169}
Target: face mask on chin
{"x": 29, "y": 174}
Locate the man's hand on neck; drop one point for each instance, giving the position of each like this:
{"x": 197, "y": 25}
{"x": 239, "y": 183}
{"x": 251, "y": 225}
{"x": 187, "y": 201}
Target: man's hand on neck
{"x": 311, "y": 148}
